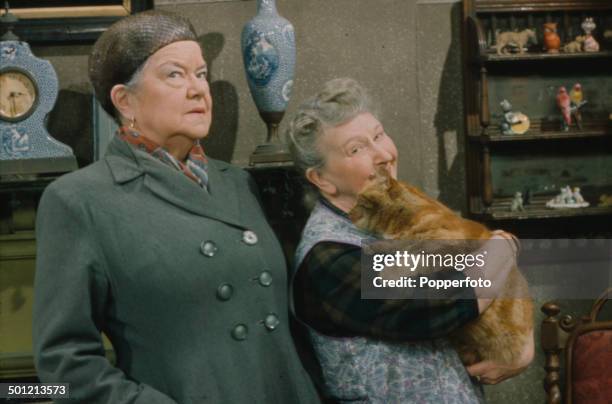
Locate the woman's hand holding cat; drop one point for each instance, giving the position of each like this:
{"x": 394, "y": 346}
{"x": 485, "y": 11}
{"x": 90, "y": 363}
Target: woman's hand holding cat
{"x": 488, "y": 372}
{"x": 510, "y": 237}
{"x": 501, "y": 258}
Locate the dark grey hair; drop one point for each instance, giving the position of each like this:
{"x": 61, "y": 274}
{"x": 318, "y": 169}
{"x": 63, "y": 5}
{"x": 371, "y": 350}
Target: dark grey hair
{"x": 136, "y": 78}
{"x": 131, "y": 86}
{"x": 127, "y": 44}
{"x": 338, "y": 102}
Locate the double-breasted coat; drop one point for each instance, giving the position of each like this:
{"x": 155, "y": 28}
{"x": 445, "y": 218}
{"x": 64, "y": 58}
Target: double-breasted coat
{"x": 189, "y": 286}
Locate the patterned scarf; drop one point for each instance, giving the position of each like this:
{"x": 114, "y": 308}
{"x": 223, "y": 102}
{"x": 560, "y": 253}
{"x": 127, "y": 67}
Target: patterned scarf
{"x": 195, "y": 166}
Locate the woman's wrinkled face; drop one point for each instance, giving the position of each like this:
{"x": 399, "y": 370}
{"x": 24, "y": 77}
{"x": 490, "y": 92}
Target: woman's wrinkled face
{"x": 353, "y": 152}
{"x": 172, "y": 97}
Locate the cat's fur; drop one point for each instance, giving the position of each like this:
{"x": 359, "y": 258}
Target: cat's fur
{"x": 398, "y": 211}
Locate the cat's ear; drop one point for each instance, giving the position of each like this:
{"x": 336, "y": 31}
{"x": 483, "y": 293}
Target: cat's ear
{"x": 318, "y": 180}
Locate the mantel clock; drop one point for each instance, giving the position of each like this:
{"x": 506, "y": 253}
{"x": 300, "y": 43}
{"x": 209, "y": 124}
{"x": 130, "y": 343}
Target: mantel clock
{"x": 28, "y": 91}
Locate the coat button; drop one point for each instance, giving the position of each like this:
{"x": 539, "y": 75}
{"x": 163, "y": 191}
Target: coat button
{"x": 271, "y": 322}
{"x": 249, "y": 237}
{"x": 240, "y": 332}
{"x": 265, "y": 279}
{"x": 208, "y": 248}
{"x": 225, "y": 291}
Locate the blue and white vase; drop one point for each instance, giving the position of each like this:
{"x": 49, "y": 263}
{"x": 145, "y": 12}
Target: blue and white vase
{"x": 268, "y": 50}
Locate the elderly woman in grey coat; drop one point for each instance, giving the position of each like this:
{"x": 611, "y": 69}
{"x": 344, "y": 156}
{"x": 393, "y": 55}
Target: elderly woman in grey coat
{"x": 377, "y": 350}
{"x": 162, "y": 249}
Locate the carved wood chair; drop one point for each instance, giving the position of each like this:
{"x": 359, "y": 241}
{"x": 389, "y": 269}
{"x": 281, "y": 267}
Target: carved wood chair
{"x": 587, "y": 346}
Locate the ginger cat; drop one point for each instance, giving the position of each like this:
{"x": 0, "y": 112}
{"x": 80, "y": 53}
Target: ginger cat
{"x": 398, "y": 211}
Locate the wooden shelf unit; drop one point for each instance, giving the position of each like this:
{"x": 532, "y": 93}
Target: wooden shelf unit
{"x": 489, "y": 77}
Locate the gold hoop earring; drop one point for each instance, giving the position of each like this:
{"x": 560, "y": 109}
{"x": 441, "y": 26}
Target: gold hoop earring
{"x": 133, "y": 123}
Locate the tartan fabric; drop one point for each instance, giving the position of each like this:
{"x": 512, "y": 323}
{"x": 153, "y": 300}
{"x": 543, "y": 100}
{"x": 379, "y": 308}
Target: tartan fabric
{"x": 327, "y": 293}
{"x": 195, "y": 166}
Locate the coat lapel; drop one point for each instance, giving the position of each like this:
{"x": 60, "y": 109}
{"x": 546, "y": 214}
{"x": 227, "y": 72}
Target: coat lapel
{"x": 220, "y": 203}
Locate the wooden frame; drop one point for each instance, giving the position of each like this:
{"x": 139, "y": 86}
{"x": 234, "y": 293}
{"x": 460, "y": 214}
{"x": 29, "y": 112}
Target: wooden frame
{"x": 558, "y": 338}
{"x": 71, "y": 20}
{"x": 111, "y": 8}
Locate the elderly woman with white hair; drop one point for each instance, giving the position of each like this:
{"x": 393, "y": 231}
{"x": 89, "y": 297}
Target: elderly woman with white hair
{"x": 384, "y": 350}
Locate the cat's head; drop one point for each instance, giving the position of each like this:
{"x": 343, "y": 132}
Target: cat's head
{"x": 374, "y": 202}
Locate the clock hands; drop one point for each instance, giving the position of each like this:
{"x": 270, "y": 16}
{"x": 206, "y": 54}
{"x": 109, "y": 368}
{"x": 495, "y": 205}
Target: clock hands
{"x": 12, "y": 96}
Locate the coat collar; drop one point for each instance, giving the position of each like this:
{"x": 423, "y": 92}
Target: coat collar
{"x": 220, "y": 203}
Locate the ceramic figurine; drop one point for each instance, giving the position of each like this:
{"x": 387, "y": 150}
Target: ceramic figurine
{"x": 513, "y": 123}
{"x": 567, "y": 199}
{"x": 576, "y": 45}
{"x": 564, "y": 104}
{"x": 526, "y": 197}
{"x": 506, "y": 39}
{"x": 517, "y": 203}
{"x": 577, "y": 195}
{"x": 552, "y": 42}
{"x": 588, "y": 25}
{"x": 590, "y": 44}
{"x": 605, "y": 200}
{"x": 577, "y": 102}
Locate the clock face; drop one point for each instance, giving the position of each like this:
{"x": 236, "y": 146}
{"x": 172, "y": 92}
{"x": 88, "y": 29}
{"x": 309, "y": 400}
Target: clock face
{"x": 18, "y": 95}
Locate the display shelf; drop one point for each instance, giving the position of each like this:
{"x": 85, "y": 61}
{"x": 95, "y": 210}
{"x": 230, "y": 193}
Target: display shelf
{"x": 545, "y": 156}
{"x": 513, "y": 6}
{"x": 492, "y": 134}
{"x": 500, "y": 210}
{"x": 540, "y": 56}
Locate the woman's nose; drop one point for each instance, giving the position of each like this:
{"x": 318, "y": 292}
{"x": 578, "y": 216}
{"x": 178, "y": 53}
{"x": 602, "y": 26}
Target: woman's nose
{"x": 381, "y": 154}
{"x": 197, "y": 87}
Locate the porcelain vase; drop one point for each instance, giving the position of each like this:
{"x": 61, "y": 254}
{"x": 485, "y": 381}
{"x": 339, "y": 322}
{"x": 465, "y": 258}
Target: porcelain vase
{"x": 268, "y": 51}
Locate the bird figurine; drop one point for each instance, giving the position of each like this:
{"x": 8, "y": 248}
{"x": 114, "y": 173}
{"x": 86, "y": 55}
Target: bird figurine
{"x": 577, "y": 103}
{"x": 576, "y": 94}
{"x": 564, "y": 104}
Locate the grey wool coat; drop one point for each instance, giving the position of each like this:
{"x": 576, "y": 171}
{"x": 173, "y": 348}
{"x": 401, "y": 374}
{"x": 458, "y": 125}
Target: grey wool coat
{"x": 189, "y": 286}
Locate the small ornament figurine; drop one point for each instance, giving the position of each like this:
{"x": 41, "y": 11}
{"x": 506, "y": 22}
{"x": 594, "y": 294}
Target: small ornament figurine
{"x": 577, "y": 102}
{"x": 577, "y": 195}
{"x": 564, "y": 104}
{"x": 590, "y": 44}
{"x": 527, "y": 197}
{"x": 605, "y": 200}
{"x": 588, "y": 25}
{"x": 517, "y": 203}
{"x": 576, "y": 45}
{"x": 513, "y": 123}
{"x": 552, "y": 42}
{"x": 567, "y": 199}
{"x": 504, "y": 40}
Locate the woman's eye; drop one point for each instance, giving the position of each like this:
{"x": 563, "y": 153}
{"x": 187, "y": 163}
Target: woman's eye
{"x": 354, "y": 150}
{"x": 379, "y": 136}
{"x": 202, "y": 75}
{"x": 174, "y": 74}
